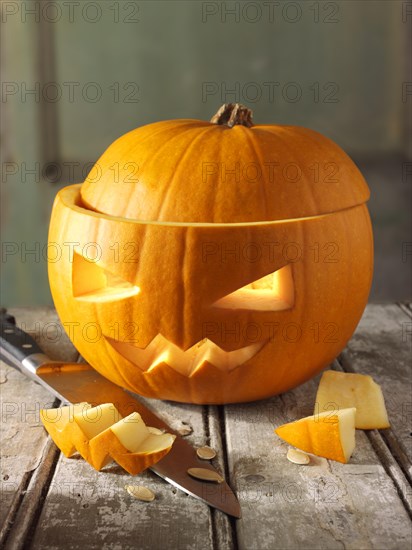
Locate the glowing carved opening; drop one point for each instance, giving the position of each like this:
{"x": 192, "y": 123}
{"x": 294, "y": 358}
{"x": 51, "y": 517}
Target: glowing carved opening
{"x": 160, "y": 350}
{"x": 274, "y": 292}
{"x": 93, "y": 283}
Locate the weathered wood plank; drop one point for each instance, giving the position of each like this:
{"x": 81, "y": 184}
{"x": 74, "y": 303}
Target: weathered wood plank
{"x": 43, "y": 324}
{"x": 381, "y": 347}
{"x": 323, "y": 505}
{"x": 96, "y": 506}
{"x": 392, "y": 468}
{"x": 224, "y": 526}
{"x": 75, "y": 480}
{"x": 22, "y": 436}
{"x": 32, "y": 499}
{"x": 406, "y": 307}
{"x": 328, "y": 505}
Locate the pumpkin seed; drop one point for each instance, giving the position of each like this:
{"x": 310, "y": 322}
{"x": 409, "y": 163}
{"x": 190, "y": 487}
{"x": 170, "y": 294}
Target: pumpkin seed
{"x": 156, "y": 431}
{"x": 297, "y": 457}
{"x": 185, "y": 430}
{"x": 140, "y": 492}
{"x": 206, "y": 453}
{"x": 205, "y": 475}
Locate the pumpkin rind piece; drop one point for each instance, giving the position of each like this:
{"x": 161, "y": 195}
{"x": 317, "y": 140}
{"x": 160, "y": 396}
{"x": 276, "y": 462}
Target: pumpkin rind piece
{"x": 107, "y": 446}
{"x": 71, "y": 436}
{"x": 343, "y": 389}
{"x": 328, "y": 435}
{"x": 73, "y": 433}
{"x": 58, "y": 422}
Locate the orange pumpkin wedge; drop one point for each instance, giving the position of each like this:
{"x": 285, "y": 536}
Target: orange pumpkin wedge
{"x": 59, "y": 422}
{"x": 328, "y": 435}
{"x": 340, "y": 390}
{"x": 131, "y": 444}
{"x": 100, "y": 435}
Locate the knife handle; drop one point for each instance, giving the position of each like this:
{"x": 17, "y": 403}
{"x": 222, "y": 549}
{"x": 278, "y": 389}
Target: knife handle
{"x": 16, "y": 346}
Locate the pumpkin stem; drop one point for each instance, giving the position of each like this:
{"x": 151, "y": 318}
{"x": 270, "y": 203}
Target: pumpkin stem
{"x": 231, "y": 114}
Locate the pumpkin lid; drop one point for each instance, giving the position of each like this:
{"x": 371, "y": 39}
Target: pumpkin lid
{"x": 227, "y": 170}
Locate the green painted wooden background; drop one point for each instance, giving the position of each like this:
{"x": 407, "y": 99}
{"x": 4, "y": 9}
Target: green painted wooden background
{"x": 339, "y": 67}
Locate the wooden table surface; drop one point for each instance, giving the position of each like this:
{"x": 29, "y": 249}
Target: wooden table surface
{"x": 49, "y": 501}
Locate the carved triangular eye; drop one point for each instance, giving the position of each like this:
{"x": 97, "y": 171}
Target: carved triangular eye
{"x": 93, "y": 283}
{"x": 274, "y": 292}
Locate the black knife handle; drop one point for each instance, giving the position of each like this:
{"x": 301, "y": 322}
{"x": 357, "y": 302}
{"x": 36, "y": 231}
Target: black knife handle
{"x": 15, "y": 344}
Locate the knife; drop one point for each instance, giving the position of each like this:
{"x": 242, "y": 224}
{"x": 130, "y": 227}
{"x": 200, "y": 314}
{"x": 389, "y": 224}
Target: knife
{"x": 79, "y": 382}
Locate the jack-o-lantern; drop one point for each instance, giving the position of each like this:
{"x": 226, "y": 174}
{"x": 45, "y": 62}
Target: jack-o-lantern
{"x": 213, "y": 262}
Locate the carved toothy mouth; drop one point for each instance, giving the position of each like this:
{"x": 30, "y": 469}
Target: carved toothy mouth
{"x": 161, "y": 350}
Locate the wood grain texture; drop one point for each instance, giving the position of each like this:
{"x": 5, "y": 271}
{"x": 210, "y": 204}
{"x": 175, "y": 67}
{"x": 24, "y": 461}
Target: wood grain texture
{"x": 23, "y": 439}
{"x": 98, "y": 502}
{"x": 323, "y": 505}
{"x": 31, "y": 499}
{"x": 52, "y": 502}
{"x": 381, "y": 347}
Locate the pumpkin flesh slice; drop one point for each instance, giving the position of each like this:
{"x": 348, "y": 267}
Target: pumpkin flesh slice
{"x": 130, "y": 443}
{"x": 341, "y": 390}
{"x": 97, "y": 419}
{"x": 87, "y": 424}
{"x": 57, "y": 423}
{"x": 100, "y": 434}
{"x": 328, "y": 435}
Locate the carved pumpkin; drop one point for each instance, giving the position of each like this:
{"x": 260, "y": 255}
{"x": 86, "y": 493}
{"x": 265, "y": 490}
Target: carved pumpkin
{"x": 213, "y": 262}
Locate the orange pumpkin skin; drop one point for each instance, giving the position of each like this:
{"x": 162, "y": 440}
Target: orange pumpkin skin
{"x": 180, "y": 242}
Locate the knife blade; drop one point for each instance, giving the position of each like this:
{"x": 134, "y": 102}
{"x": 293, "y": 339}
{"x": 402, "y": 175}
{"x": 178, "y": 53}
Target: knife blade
{"x": 79, "y": 382}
